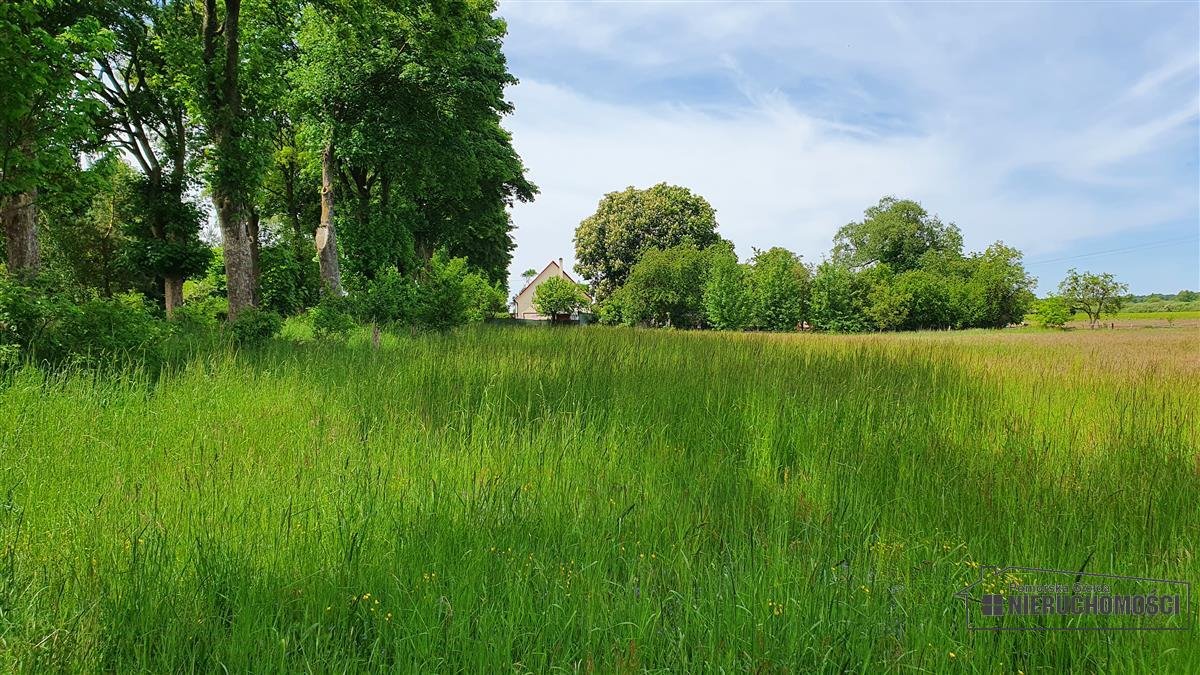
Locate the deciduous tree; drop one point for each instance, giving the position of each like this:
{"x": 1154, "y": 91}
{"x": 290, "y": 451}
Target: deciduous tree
{"x": 1093, "y": 294}
{"x": 896, "y": 232}
{"x": 626, "y": 224}
{"x": 778, "y": 289}
{"x": 47, "y": 110}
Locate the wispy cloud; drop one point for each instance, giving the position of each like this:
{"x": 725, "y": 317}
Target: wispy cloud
{"x": 1043, "y": 126}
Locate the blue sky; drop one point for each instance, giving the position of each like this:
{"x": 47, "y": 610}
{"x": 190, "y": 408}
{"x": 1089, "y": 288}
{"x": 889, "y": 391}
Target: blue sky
{"x": 1070, "y": 131}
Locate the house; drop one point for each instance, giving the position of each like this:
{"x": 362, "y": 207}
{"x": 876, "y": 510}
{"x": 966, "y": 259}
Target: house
{"x": 523, "y": 307}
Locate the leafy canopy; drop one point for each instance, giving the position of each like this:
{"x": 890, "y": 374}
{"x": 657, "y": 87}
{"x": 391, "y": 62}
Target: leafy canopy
{"x": 1093, "y": 294}
{"x": 629, "y": 223}
{"x": 895, "y": 232}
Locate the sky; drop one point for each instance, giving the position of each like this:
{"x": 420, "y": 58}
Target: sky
{"x": 1069, "y": 130}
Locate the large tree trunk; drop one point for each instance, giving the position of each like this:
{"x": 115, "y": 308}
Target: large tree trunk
{"x": 20, "y": 233}
{"x": 225, "y": 102}
{"x": 172, "y": 294}
{"x": 326, "y": 237}
{"x": 239, "y": 252}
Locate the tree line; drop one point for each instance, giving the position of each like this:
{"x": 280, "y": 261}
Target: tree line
{"x": 339, "y": 144}
{"x": 653, "y": 257}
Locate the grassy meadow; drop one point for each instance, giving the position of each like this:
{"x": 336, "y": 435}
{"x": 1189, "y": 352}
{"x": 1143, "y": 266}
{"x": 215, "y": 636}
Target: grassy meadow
{"x": 596, "y": 500}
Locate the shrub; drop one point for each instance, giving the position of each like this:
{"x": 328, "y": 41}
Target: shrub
{"x": 389, "y": 298}
{"x": 255, "y": 326}
{"x": 613, "y": 309}
{"x": 202, "y": 313}
{"x": 727, "y": 301}
{"x": 288, "y": 284}
{"x": 331, "y": 319}
{"x": 1054, "y": 312}
{"x": 55, "y": 325}
{"x": 666, "y": 288}
{"x": 558, "y": 295}
{"x": 449, "y": 293}
{"x": 483, "y": 298}
{"x": 779, "y": 283}
{"x": 839, "y": 299}
{"x": 98, "y": 329}
{"x": 888, "y": 305}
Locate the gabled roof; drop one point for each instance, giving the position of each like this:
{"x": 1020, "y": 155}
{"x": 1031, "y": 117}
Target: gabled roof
{"x": 564, "y": 273}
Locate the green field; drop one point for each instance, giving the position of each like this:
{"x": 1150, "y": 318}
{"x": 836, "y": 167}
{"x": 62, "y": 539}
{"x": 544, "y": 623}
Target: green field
{"x": 598, "y": 500}
{"x": 1138, "y": 316}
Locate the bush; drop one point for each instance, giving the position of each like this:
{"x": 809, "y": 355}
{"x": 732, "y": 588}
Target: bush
{"x": 288, "y": 284}
{"x": 666, "y": 288}
{"x": 1054, "y": 312}
{"x": 331, "y": 319}
{"x": 255, "y": 326}
{"x": 98, "y": 329}
{"x": 839, "y": 300}
{"x": 55, "y": 325}
{"x": 484, "y": 299}
{"x": 203, "y": 313}
{"x": 449, "y": 293}
{"x": 727, "y": 300}
{"x": 389, "y": 298}
{"x": 558, "y": 295}
{"x": 779, "y": 284}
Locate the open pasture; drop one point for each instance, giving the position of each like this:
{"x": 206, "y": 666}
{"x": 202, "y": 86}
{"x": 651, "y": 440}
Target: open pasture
{"x": 498, "y": 500}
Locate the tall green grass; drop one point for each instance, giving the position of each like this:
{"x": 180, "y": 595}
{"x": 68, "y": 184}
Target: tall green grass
{"x": 596, "y": 499}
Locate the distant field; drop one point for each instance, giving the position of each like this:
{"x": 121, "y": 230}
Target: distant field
{"x": 1140, "y": 316}
{"x": 597, "y": 500}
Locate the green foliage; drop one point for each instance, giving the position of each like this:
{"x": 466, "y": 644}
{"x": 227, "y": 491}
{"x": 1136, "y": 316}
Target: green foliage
{"x": 558, "y": 295}
{"x": 839, "y": 299}
{"x": 779, "y": 283}
{"x": 998, "y": 291}
{"x": 666, "y": 288}
{"x": 389, "y": 298}
{"x": 202, "y": 312}
{"x": 288, "y": 283}
{"x": 449, "y": 293}
{"x": 928, "y": 294}
{"x": 44, "y": 322}
{"x": 1160, "y": 306}
{"x": 410, "y": 96}
{"x": 213, "y": 281}
{"x": 1093, "y": 294}
{"x": 486, "y": 299}
{"x": 100, "y": 329}
{"x": 727, "y": 299}
{"x": 1053, "y": 312}
{"x": 897, "y": 233}
{"x": 612, "y": 310}
{"x": 254, "y": 326}
{"x": 888, "y": 304}
{"x": 83, "y": 233}
{"x": 164, "y": 231}
{"x": 48, "y": 111}
{"x": 629, "y": 223}
{"x": 331, "y": 319}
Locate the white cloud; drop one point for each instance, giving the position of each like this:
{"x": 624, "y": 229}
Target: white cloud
{"x": 775, "y": 176}
{"x": 1013, "y": 122}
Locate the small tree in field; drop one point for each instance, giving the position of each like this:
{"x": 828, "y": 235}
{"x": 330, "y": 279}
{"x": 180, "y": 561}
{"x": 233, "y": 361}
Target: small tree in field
{"x": 557, "y": 295}
{"x": 1092, "y": 294}
{"x": 1054, "y": 312}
